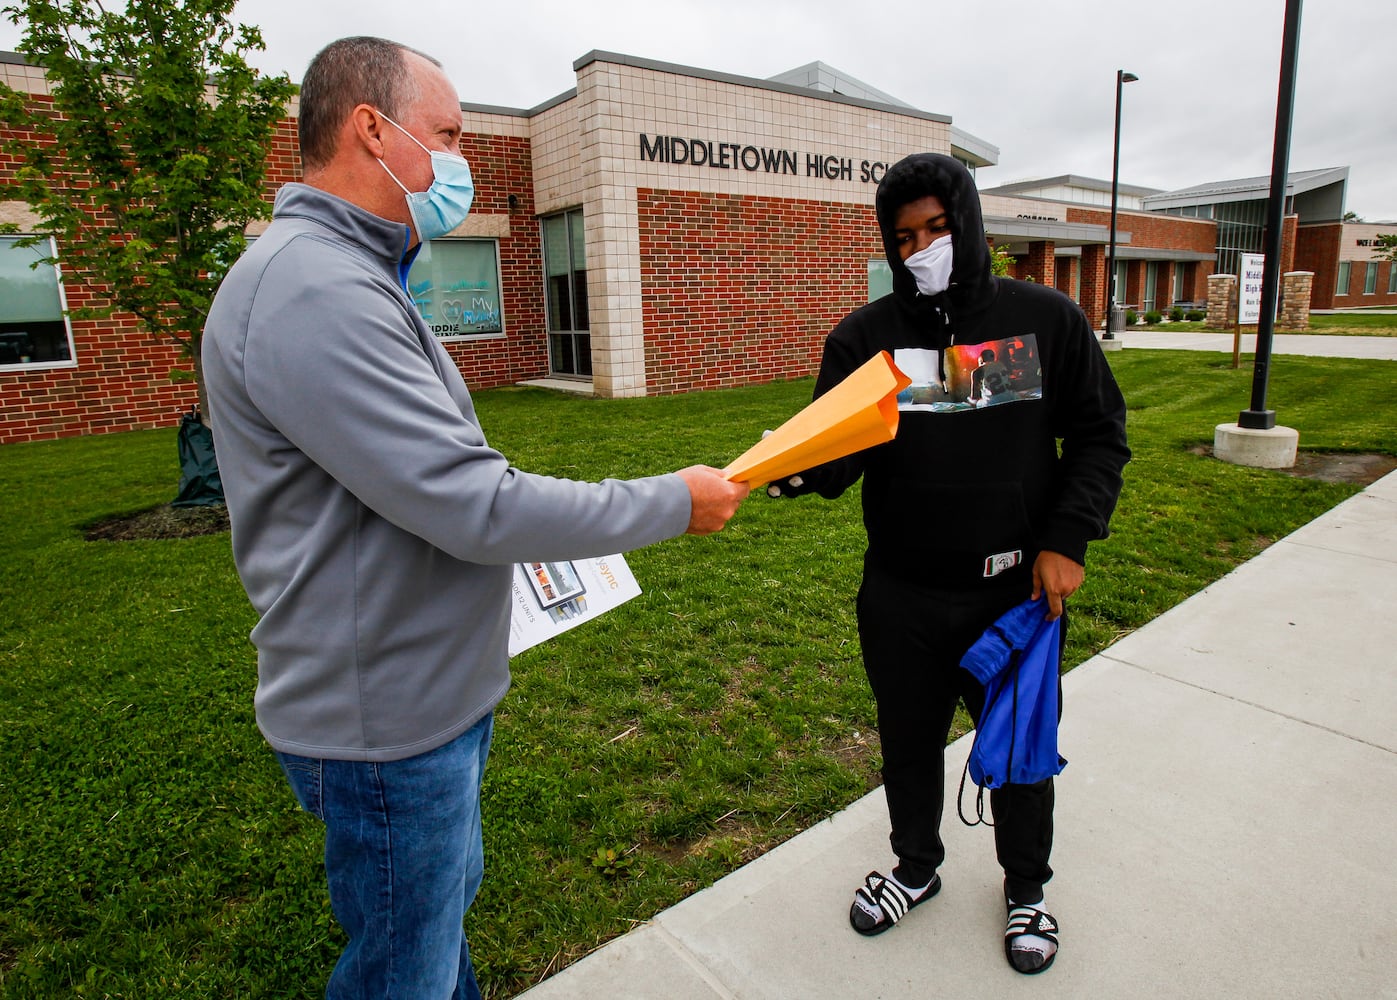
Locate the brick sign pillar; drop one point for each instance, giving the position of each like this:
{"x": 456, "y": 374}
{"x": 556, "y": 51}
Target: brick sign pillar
{"x": 1222, "y": 301}
{"x": 1295, "y": 300}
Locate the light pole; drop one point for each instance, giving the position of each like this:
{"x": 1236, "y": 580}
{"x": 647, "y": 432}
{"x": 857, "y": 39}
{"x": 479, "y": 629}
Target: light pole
{"x": 1122, "y": 78}
{"x": 1258, "y": 417}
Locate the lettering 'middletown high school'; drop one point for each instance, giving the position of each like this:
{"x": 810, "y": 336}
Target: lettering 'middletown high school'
{"x": 663, "y": 229}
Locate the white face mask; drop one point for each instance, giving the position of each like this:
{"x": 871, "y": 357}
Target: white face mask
{"x": 931, "y": 266}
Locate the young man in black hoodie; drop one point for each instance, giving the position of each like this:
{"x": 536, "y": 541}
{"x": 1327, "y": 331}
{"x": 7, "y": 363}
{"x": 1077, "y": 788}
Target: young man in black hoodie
{"x": 971, "y": 510}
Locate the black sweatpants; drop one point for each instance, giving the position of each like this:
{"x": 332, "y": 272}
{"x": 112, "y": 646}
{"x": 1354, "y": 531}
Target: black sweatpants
{"x": 913, "y": 639}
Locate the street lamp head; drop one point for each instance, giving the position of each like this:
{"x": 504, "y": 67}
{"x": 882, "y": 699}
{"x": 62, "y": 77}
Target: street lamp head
{"x": 1128, "y": 77}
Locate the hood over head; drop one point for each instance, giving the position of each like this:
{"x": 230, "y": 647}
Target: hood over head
{"x": 923, "y": 174}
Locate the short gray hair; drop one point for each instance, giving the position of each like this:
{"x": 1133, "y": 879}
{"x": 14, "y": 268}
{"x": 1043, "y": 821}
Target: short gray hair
{"x": 343, "y": 75}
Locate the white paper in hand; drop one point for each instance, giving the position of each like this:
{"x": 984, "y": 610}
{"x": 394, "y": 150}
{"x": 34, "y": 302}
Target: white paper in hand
{"x": 551, "y": 597}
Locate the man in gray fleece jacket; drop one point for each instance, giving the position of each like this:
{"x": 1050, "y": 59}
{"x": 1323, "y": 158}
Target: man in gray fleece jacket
{"x": 375, "y": 528}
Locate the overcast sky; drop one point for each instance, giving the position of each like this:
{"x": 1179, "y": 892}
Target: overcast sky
{"x": 1035, "y": 78}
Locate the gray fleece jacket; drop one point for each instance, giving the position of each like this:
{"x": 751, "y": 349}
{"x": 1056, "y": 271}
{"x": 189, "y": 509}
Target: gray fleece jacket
{"x": 373, "y": 527}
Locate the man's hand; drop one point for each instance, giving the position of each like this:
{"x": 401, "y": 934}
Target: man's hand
{"x": 713, "y": 498}
{"x": 1058, "y": 577}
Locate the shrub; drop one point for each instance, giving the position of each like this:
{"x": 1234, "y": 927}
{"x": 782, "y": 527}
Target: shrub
{"x": 1153, "y": 316}
{"x": 1176, "y": 314}
{"x": 1130, "y": 318}
{"x": 1196, "y": 315}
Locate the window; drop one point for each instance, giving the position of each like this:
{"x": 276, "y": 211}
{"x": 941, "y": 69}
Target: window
{"x": 33, "y": 329}
{"x": 1392, "y": 278}
{"x": 1341, "y": 286}
{"x": 880, "y": 278}
{"x": 455, "y": 285}
{"x": 565, "y": 272}
{"x": 1241, "y": 229}
{"x": 1370, "y": 278}
{"x": 1178, "y": 294}
{"x": 1122, "y": 273}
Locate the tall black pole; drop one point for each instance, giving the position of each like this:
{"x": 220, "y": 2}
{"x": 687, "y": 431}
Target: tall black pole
{"x": 1122, "y": 78}
{"x": 1258, "y": 417}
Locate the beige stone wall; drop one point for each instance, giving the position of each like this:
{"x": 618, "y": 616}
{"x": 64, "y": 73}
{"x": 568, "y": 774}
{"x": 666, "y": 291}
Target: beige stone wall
{"x": 554, "y": 139}
{"x": 617, "y": 103}
{"x": 489, "y": 123}
{"x": 25, "y": 79}
{"x": 18, "y": 213}
{"x": 1358, "y": 241}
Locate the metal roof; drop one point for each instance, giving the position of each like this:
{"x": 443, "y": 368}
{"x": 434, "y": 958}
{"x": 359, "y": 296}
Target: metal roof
{"x": 1245, "y": 189}
{"x": 1069, "y": 180}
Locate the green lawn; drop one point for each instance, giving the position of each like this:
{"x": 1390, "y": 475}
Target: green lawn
{"x": 148, "y": 846}
{"x": 1355, "y": 324}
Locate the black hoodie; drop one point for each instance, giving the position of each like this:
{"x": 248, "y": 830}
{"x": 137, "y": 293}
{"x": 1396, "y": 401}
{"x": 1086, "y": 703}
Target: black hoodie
{"x": 974, "y": 486}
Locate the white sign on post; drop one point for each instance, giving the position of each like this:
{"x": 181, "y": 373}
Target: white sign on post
{"x": 1249, "y": 289}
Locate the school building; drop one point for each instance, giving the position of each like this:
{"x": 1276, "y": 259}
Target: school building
{"x": 662, "y": 229}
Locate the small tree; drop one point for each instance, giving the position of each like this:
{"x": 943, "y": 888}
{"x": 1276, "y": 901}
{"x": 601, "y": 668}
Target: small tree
{"x": 160, "y": 134}
{"x": 1000, "y": 261}
{"x": 1387, "y": 246}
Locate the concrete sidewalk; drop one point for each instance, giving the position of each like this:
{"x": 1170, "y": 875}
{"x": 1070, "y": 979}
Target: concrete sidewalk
{"x": 1312, "y": 344}
{"x": 1224, "y": 829}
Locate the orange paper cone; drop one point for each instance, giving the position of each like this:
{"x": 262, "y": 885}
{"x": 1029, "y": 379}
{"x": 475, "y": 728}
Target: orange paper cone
{"x": 858, "y": 413}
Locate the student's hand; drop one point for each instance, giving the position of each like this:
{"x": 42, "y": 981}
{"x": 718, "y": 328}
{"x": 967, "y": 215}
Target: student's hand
{"x": 786, "y": 487}
{"x": 713, "y": 498}
{"x": 1058, "y": 577}
{"x": 776, "y": 489}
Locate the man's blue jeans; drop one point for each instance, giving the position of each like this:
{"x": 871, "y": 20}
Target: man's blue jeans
{"x": 404, "y": 858}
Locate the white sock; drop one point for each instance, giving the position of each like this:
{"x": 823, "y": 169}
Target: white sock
{"x": 1032, "y": 942}
{"x": 876, "y": 912}
{"x": 916, "y": 894}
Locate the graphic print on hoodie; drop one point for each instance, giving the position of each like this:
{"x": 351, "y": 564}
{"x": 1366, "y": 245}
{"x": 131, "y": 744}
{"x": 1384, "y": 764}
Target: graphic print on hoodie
{"x": 970, "y": 376}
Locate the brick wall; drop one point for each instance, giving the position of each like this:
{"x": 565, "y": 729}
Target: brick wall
{"x": 1196, "y": 274}
{"x": 502, "y": 166}
{"x": 1040, "y": 262}
{"x": 1133, "y": 294}
{"x": 739, "y": 289}
{"x": 1156, "y": 231}
{"x": 1290, "y": 224}
{"x": 1356, "y": 297}
{"x": 1316, "y": 248}
{"x": 1152, "y": 229}
{"x": 121, "y": 380}
{"x": 1064, "y": 276}
{"x": 122, "y": 377}
{"x": 1093, "y": 285}
{"x": 1319, "y": 248}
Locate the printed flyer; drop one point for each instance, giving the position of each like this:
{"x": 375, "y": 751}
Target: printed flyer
{"x": 551, "y": 597}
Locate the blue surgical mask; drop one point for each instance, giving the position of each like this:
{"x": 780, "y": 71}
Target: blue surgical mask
{"x": 445, "y": 205}
{"x": 931, "y": 266}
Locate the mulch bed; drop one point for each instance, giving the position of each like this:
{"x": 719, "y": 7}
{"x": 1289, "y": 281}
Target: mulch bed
{"x": 164, "y": 521}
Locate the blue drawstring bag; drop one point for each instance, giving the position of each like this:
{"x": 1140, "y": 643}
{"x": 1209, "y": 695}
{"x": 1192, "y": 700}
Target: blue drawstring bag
{"x": 1017, "y": 660}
